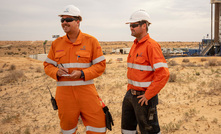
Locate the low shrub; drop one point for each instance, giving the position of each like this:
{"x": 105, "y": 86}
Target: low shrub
{"x": 186, "y": 60}
{"x": 172, "y": 77}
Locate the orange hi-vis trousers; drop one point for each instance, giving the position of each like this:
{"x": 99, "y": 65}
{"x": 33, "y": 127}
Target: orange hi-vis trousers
{"x": 75, "y": 101}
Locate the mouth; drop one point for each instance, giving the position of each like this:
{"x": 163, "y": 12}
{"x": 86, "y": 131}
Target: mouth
{"x": 66, "y": 26}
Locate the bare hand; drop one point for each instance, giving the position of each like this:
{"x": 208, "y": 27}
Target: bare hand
{"x": 76, "y": 74}
{"x": 61, "y": 71}
{"x": 142, "y": 100}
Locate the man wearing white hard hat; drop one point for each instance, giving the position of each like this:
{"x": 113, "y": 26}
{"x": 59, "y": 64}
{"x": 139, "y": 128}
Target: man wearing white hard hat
{"x": 147, "y": 74}
{"x": 74, "y": 60}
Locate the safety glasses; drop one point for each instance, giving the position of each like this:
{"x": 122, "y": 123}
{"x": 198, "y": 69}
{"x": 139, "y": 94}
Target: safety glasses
{"x": 68, "y": 19}
{"x": 134, "y": 25}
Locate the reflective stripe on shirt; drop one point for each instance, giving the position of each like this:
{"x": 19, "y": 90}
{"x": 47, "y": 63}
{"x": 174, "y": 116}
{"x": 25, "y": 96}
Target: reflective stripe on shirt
{"x": 69, "y": 131}
{"x": 51, "y": 61}
{"x": 140, "y": 67}
{"x": 75, "y": 65}
{"x": 95, "y": 129}
{"x": 97, "y": 60}
{"x": 139, "y": 84}
{"x": 161, "y": 64}
{"x": 74, "y": 83}
{"x": 128, "y": 131}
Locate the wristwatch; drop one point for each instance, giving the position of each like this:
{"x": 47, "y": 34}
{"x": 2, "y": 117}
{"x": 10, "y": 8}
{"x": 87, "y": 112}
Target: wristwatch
{"x": 82, "y": 74}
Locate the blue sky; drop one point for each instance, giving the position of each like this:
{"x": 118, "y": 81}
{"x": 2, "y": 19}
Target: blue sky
{"x": 172, "y": 20}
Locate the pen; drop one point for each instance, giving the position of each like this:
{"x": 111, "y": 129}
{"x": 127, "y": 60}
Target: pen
{"x": 62, "y": 65}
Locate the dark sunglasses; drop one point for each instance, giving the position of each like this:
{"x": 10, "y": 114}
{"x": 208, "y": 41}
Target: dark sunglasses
{"x": 68, "y": 19}
{"x": 134, "y": 25}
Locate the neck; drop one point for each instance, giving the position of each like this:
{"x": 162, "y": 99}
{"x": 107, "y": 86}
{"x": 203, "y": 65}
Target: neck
{"x": 141, "y": 36}
{"x": 73, "y": 36}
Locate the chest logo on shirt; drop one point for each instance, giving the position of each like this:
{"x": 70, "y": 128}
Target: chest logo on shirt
{"x": 84, "y": 48}
{"x": 139, "y": 55}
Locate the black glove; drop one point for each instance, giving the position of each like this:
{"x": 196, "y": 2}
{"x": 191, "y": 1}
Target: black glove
{"x": 109, "y": 119}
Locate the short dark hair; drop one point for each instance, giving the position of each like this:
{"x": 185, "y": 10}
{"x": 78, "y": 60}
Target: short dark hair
{"x": 144, "y": 22}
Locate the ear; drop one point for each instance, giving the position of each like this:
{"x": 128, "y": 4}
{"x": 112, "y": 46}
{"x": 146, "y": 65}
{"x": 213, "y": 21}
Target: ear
{"x": 78, "y": 22}
{"x": 144, "y": 26}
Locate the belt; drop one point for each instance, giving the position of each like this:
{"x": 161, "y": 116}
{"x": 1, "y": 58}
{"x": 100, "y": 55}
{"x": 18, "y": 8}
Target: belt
{"x": 135, "y": 92}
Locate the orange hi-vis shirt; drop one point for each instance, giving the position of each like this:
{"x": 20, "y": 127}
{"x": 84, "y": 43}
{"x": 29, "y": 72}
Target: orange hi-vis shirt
{"x": 84, "y": 54}
{"x": 147, "y": 67}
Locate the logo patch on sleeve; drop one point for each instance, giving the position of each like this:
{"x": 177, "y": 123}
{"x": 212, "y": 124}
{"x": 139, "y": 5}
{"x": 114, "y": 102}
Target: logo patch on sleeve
{"x": 59, "y": 50}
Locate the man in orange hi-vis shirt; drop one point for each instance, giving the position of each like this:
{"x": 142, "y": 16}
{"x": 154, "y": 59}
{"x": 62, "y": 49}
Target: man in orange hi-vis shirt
{"x": 74, "y": 60}
{"x": 147, "y": 74}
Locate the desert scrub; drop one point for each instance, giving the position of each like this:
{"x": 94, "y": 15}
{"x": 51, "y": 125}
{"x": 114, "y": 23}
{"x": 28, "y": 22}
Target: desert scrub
{"x": 215, "y": 121}
{"x": 212, "y": 62}
{"x": 39, "y": 70}
{"x": 185, "y": 60}
{"x": 12, "y": 67}
{"x": 172, "y": 63}
{"x": 171, "y": 127}
{"x": 172, "y": 77}
{"x": 10, "y": 118}
{"x": 12, "y": 76}
{"x": 203, "y": 59}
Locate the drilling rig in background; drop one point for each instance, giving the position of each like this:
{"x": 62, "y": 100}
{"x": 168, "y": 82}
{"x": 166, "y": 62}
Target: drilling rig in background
{"x": 214, "y": 45}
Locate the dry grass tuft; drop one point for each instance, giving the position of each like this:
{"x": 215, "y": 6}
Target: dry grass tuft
{"x": 172, "y": 63}
{"x": 203, "y": 59}
{"x": 12, "y": 67}
{"x": 212, "y": 62}
{"x": 172, "y": 77}
{"x": 186, "y": 60}
{"x": 12, "y": 77}
{"x": 171, "y": 127}
{"x": 39, "y": 70}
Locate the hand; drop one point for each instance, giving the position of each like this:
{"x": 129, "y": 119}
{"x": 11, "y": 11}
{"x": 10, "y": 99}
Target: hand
{"x": 61, "y": 71}
{"x": 142, "y": 100}
{"x": 76, "y": 74}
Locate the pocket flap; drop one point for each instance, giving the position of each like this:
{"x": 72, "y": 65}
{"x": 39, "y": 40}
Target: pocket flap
{"x": 85, "y": 54}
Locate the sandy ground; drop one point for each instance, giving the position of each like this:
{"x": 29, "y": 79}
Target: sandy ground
{"x": 189, "y": 103}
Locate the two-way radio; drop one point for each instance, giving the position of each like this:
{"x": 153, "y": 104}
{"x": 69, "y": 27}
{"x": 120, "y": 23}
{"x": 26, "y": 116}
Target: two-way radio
{"x": 53, "y": 101}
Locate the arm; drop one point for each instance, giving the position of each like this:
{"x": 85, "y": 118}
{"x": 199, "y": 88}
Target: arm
{"x": 98, "y": 62}
{"x": 161, "y": 73}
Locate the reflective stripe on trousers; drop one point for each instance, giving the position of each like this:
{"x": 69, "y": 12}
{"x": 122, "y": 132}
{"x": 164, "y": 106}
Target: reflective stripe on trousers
{"x": 131, "y": 131}
{"x": 88, "y": 128}
{"x": 95, "y": 129}
{"x": 74, "y": 83}
{"x": 128, "y": 131}
{"x": 69, "y": 131}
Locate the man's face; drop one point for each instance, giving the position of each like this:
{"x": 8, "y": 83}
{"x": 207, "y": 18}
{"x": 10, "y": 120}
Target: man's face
{"x": 136, "y": 29}
{"x": 69, "y": 24}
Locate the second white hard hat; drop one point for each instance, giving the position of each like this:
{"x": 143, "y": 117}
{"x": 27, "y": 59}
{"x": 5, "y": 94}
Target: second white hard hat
{"x": 139, "y": 16}
{"x": 71, "y": 10}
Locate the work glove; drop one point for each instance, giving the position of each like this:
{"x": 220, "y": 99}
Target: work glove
{"x": 109, "y": 119}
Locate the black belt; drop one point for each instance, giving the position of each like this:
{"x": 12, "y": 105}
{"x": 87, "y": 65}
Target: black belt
{"x": 135, "y": 92}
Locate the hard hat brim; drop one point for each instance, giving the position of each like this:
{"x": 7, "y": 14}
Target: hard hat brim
{"x": 60, "y": 15}
{"x": 131, "y": 21}
{"x": 134, "y": 21}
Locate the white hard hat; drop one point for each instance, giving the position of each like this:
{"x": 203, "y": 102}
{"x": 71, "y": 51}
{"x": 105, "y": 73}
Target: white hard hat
{"x": 71, "y": 10}
{"x": 139, "y": 16}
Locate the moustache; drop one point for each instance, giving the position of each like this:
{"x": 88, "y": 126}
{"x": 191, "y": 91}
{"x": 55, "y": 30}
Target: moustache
{"x": 66, "y": 25}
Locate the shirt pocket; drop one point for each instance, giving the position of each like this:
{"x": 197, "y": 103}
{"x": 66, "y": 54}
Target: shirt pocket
{"x": 139, "y": 60}
{"x": 59, "y": 56}
{"x": 83, "y": 56}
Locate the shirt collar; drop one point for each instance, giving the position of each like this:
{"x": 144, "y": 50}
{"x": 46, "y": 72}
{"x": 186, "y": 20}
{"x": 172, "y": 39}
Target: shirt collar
{"x": 78, "y": 40}
{"x": 145, "y": 38}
